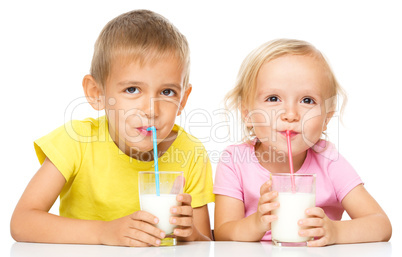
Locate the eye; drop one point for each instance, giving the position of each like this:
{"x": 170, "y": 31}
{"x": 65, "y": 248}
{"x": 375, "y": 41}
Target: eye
{"x": 132, "y": 90}
{"x": 168, "y": 92}
{"x": 307, "y": 100}
{"x": 273, "y": 98}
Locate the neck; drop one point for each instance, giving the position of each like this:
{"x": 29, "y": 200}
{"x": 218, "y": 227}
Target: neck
{"x": 277, "y": 162}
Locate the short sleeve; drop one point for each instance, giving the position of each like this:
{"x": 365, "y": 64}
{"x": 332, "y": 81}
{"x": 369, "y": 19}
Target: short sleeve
{"x": 199, "y": 181}
{"x": 227, "y": 180}
{"x": 62, "y": 147}
{"x": 343, "y": 176}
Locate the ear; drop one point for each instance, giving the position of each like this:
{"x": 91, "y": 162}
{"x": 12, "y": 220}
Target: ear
{"x": 93, "y": 93}
{"x": 245, "y": 115}
{"x": 183, "y": 101}
{"x": 327, "y": 119}
{"x": 330, "y": 108}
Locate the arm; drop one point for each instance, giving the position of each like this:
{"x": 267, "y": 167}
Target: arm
{"x": 230, "y": 223}
{"x": 368, "y": 223}
{"x": 31, "y": 221}
{"x": 194, "y": 223}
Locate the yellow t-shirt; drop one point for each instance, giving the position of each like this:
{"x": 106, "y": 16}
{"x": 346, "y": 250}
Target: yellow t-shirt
{"x": 102, "y": 181}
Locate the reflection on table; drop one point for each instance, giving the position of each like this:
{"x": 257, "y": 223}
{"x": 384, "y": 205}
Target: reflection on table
{"x": 268, "y": 249}
{"x": 195, "y": 249}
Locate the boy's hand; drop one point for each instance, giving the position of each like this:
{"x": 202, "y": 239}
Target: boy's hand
{"x": 265, "y": 206}
{"x": 184, "y": 220}
{"x": 319, "y": 226}
{"x": 136, "y": 229}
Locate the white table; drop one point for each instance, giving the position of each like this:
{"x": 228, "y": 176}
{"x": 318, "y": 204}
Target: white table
{"x": 195, "y": 249}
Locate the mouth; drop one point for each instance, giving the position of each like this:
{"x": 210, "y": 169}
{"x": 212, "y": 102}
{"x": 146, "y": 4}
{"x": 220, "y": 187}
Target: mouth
{"x": 143, "y": 131}
{"x": 291, "y": 133}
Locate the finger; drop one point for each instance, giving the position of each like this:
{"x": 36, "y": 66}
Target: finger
{"x": 268, "y": 197}
{"x": 145, "y": 216}
{"x": 147, "y": 228}
{"x": 181, "y": 221}
{"x": 185, "y": 199}
{"x": 139, "y": 237}
{"x": 312, "y": 232}
{"x": 182, "y": 210}
{"x": 311, "y": 222}
{"x": 266, "y": 208}
{"x": 315, "y": 211}
{"x": 317, "y": 243}
{"x": 267, "y": 219}
{"x": 183, "y": 232}
{"x": 266, "y": 187}
{"x": 134, "y": 243}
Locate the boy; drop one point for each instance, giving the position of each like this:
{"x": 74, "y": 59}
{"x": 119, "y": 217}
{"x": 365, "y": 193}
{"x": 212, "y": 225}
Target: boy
{"x": 139, "y": 75}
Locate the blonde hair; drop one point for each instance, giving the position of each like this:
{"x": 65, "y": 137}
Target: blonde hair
{"x": 139, "y": 35}
{"x": 245, "y": 88}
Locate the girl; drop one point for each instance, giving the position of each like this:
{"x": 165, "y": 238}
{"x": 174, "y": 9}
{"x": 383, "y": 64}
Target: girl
{"x": 288, "y": 85}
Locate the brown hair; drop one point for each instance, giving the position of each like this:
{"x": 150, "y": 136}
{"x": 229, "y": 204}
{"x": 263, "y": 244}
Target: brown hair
{"x": 139, "y": 35}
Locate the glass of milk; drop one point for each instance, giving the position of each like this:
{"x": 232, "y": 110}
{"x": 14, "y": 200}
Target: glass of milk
{"x": 171, "y": 184}
{"x": 293, "y": 203}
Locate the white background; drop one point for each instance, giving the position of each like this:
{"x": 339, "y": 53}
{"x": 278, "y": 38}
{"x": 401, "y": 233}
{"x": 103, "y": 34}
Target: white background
{"x": 46, "y": 49}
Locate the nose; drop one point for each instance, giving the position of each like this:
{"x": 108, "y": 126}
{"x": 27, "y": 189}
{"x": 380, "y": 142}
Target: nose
{"x": 151, "y": 107}
{"x": 290, "y": 114}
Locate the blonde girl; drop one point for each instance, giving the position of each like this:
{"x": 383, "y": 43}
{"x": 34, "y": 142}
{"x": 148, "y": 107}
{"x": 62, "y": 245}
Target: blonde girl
{"x": 288, "y": 85}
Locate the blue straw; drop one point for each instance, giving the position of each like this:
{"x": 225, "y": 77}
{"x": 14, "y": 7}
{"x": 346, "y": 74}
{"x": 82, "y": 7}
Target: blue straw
{"x": 153, "y": 129}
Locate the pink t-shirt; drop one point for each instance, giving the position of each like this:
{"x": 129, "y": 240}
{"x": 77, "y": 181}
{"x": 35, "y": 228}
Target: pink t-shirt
{"x": 240, "y": 175}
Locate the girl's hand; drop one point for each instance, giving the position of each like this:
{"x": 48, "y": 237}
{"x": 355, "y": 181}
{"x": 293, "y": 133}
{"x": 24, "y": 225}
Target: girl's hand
{"x": 319, "y": 226}
{"x": 136, "y": 229}
{"x": 265, "y": 206}
{"x": 184, "y": 221}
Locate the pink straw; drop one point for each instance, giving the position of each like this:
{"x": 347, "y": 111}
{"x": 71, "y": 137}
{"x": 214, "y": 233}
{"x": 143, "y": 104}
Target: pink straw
{"x": 290, "y": 161}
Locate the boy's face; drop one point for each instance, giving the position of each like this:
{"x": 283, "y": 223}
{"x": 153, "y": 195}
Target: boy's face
{"x": 139, "y": 96}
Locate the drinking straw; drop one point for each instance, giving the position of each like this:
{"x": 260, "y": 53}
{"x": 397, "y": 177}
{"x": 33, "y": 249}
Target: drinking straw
{"x": 153, "y": 129}
{"x": 290, "y": 161}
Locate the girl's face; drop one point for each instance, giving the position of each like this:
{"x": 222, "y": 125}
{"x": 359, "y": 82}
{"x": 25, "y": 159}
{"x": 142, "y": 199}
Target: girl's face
{"x": 293, "y": 94}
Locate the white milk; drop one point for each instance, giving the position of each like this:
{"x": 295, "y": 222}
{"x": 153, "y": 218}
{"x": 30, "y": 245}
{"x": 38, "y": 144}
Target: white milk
{"x": 291, "y": 210}
{"x": 160, "y": 207}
